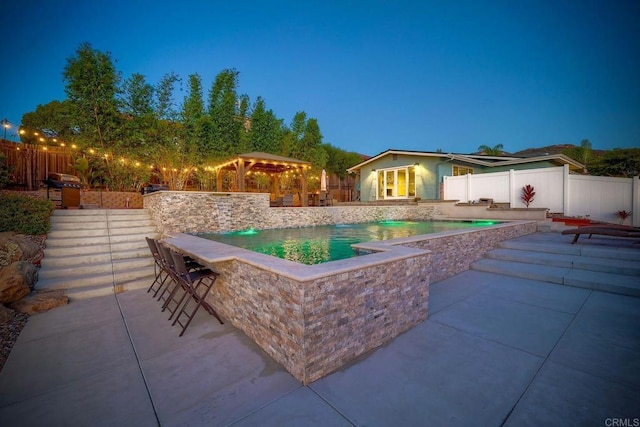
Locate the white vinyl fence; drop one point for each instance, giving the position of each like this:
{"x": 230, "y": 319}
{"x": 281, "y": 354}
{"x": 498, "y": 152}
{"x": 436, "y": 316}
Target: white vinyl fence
{"x": 597, "y": 197}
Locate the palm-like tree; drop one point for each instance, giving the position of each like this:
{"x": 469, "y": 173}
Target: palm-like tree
{"x": 496, "y": 150}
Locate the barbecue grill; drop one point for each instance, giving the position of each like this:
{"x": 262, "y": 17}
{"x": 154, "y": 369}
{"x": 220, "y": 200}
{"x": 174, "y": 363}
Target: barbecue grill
{"x": 64, "y": 190}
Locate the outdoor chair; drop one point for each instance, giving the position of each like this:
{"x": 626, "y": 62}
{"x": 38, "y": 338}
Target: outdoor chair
{"x": 159, "y": 269}
{"x": 324, "y": 199}
{"x": 197, "y": 285}
{"x": 172, "y": 289}
{"x": 287, "y": 200}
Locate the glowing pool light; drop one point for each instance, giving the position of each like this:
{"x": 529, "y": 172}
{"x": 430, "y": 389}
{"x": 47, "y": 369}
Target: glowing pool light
{"x": 247, "y": 232}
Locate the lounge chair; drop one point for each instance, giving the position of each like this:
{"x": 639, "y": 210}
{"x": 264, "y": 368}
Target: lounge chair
{"x": 287, "y": 200}
{"x": 604, "y": 230}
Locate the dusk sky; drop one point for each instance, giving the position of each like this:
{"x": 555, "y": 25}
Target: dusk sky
{"x": 412, "y": 75}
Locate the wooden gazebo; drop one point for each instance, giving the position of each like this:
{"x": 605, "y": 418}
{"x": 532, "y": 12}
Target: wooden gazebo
{"x": 270, "y": 164}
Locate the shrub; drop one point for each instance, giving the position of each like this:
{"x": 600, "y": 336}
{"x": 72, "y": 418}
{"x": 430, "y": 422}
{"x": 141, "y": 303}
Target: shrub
{"x": 527, "y": 195}
{"x": 4, "y": 171}
{"x": 24, "y": 214}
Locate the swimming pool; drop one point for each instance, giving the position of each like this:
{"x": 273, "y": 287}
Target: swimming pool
{"x": 314, "y": 245}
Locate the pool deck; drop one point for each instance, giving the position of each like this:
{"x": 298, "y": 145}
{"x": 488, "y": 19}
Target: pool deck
{"x": 495, "y": 350}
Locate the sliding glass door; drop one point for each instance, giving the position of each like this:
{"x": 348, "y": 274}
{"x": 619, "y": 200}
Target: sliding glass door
{"x": 396, "y": 183}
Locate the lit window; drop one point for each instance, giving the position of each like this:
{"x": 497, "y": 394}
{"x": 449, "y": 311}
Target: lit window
{"x": 461, "y": 170}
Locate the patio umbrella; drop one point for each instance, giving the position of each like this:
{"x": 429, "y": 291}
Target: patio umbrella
{"x": 323, "y": 181}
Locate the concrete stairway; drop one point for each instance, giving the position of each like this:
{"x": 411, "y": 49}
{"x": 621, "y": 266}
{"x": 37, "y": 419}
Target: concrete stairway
{"x": 94, "y": 252}
{"x": 609, "y": 269}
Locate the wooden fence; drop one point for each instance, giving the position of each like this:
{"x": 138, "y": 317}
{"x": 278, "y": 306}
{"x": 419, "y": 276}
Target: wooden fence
{"x": 30, "y": 164}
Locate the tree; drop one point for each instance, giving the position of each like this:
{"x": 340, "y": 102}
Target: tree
{"x": 223, "y": 109}
{"x": 165, "y": 109}
{"x": 137, "y": 96}
{"x": 311, "y": 145}
{"x": 53, "y": 119}
{"x": 338, "y": 160}
{"x": 583, "y": 153}
{"x": 620, "y": 162}
{"x": 243, "y": 114}
{"x": 92, "y": 86}
{"x": 496, "y": 150}
{"x": 266, "y": 130}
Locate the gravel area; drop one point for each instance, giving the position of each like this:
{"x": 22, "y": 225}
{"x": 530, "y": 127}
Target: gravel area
{"x": 9, "y": 332}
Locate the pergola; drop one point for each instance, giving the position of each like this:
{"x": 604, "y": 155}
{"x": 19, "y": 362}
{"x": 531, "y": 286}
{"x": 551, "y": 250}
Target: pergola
{"x": 267, "y": 163}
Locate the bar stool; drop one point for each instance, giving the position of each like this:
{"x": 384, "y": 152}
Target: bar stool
{"x": 197, "y": 285}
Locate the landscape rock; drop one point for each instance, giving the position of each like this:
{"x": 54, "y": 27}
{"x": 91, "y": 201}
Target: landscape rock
{"x": 19, "y": 247}
{"x": 17, "y": 280}
{"x": 6, "y": 314}
{"x": 41, "y": 301}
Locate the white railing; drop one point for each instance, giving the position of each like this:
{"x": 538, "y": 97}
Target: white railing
{"x": 597, "y": 197}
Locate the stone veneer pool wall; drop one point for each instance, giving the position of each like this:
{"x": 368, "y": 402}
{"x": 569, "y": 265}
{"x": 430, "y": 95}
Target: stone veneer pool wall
{"x": 314, "y": 319}
{"x": 200, "y": 212}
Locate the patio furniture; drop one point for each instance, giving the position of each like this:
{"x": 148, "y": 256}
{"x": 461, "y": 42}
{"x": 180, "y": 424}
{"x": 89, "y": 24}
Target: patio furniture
{"x": 604, "y": 230}
{"x": 324, "y": 199}
{"x": 197, "y": 285}
{"x": 173, "y": 287}
{"x": 287, "y": 200}
{"x": 161, "y": 274}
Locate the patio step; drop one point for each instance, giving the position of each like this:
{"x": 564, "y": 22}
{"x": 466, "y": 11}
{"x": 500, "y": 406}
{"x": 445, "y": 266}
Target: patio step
{"x": 615, "y": 270}
{"x": 605, "y": 265}
{"x": 98, "y": 252}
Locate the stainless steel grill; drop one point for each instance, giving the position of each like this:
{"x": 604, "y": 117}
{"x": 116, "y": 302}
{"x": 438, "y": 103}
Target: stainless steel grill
{"x": 64, "y": 190}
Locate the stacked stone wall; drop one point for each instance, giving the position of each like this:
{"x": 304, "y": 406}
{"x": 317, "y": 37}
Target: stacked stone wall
{"x": 99, "y": 199}
{"x": 453, "y": 253}
{"x": 313, "y": 327}
{"x": 348, "y": 314}
{"x": 199, "y": 212}
{"x": 111, "y": 199}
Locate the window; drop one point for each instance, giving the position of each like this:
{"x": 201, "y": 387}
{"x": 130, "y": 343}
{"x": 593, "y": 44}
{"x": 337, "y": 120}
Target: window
{"x": 461, "y": 170}
{"x": 396, "y": 183}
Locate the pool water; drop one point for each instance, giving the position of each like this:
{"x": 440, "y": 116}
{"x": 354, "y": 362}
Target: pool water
{"x": 314, "y": 245}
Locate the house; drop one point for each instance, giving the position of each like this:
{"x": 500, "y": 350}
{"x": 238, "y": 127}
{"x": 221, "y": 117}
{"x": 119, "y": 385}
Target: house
{"x": 400, "y": 174}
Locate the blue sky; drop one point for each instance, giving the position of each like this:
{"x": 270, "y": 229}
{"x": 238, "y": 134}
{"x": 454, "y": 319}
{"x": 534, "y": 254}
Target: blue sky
{"x": 414, "y": 75}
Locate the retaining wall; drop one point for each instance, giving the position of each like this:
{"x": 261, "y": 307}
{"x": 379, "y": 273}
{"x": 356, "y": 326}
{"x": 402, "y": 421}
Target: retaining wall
{"x": 206, "y": 212}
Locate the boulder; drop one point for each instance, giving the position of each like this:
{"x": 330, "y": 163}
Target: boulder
{"x": 16, "y": 281}
{"x": 18, "y": 247}
{"x": 6, "y": 314}
{"x": 41, "y": 301}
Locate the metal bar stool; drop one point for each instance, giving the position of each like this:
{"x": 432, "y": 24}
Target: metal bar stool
{"x": 161, "y": 274}
{"x": 173, "y": 288}
{"x": 197, "y": 285}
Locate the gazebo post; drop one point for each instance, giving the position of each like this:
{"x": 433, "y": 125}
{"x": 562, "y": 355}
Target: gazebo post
{"x": 305, "y": 190}
{"x": 219, "y": 180}
{"x": 275, "y": 184}
{"x": 241, "y": 175}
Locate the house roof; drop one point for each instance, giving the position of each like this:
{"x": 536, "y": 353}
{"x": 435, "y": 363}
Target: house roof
{"x": 477, "y": 159}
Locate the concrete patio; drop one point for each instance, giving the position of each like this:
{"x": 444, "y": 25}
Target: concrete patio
{"x": 495, "y": 350}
